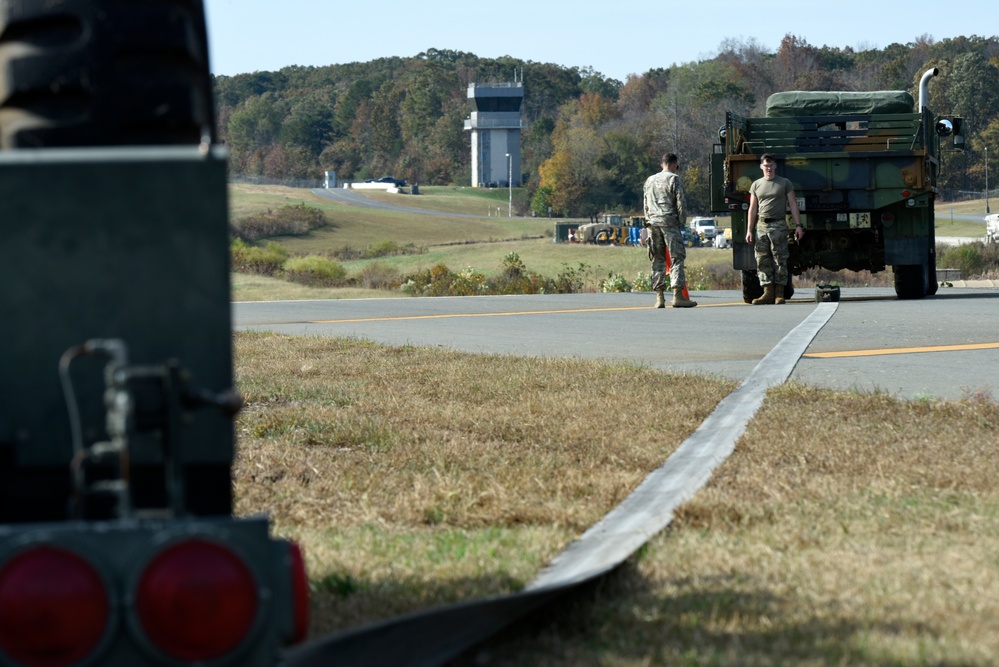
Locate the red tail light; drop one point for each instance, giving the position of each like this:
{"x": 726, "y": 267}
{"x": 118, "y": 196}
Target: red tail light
{"x": 197, "y": 600}
{"x": 300, "y": 593}
{"x": 54, "y": 607}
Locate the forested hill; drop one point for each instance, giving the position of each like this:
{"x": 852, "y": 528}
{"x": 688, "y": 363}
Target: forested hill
{"x": 588, "y": 141}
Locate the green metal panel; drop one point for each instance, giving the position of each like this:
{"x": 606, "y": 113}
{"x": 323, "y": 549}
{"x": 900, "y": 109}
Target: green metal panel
{"x": 716, "y": 179}
{"x": 111, "y": 243}
{"x": 562, "y": 231}
{"x": 854, "y": 133}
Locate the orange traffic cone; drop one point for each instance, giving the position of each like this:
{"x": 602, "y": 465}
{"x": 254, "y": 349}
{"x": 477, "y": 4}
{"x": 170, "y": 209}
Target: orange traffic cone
{"x": 669, "y": 263}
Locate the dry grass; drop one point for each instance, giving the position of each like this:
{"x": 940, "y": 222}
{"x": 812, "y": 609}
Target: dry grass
{"x": 252, "y": 287}
{"x": 861, "y": 532}
{"x": 380, "y": 457}
{"x": 845, "y": 529}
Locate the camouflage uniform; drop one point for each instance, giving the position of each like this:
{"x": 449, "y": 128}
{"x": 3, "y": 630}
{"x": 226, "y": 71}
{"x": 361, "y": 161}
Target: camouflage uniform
{"x": 770, "y": 247}
{"x": 665, "y": 210}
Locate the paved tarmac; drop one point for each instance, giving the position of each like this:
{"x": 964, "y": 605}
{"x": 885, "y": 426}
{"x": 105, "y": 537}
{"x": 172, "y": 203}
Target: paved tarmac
{"x": 942, "y": 347}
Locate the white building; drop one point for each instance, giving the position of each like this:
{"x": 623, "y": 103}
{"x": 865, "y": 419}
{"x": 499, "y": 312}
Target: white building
{"x": 495, "y": 126}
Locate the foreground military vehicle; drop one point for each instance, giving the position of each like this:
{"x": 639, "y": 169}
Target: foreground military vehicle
{"x": 864, "y": 168}
{"x": 117, "y": 543}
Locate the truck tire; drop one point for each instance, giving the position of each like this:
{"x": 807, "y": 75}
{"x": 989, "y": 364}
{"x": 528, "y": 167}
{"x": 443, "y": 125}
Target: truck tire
{"x": 911, "y": 281}
{"x": 751, "y": 288}
{"x": 104, "y": 73}
{"x": 932, "y": 283}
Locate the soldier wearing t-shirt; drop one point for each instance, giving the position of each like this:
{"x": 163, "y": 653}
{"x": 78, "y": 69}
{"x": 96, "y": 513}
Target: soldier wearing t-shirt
{"x": 770, "y": 198}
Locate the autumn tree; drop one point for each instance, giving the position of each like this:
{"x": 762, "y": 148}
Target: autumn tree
{"x": 253, "y": 131}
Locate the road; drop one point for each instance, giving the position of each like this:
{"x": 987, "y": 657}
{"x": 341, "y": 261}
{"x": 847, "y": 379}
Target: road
{"x": 943, "y": 347}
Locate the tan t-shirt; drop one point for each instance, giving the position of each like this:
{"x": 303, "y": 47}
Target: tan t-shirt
{"x": 772, "y": 196}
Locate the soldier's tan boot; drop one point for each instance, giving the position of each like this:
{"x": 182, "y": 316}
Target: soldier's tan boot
{"x": 660, "y": 299}
{"x": 779, "y": 295}
{"x": 769, "y": 296}
{"x": 680, "y": 302}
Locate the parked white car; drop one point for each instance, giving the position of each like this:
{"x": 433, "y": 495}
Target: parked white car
{"x": 705, "y": 228}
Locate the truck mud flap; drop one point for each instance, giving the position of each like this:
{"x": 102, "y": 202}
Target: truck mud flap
{"x": 743, "y": 258}
{"x": 906, "y": 251}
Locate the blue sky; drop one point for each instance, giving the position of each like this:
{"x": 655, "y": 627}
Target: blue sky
{"x": 615, "y": 39}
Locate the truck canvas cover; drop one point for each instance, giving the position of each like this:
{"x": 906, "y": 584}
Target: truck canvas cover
{"x": 809, "y": 103}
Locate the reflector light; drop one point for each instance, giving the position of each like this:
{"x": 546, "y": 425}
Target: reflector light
{"x": 887, "y": 216}
{"x": 54, "y": 607}
{"x": 905, "y": 193}
{"x": 300, "y": 594}
{"x": 196, "y": 600}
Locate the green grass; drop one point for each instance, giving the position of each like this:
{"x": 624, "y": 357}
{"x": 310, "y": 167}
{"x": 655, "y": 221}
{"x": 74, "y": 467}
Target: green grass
{"x": 946, "y": 225}
{"x": 457, "y": 199}
{"x": 539, "y": 255}
{"x": 480, "y": 243}
{"x": 968, "y": 207}
{"x": 457, "y": 242}
{"x": 358, "y": 227}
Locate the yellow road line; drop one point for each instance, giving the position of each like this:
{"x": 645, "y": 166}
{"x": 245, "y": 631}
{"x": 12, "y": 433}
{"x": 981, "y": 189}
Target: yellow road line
{"x": 902, "y": 350}
{"x": 445, "y": 316}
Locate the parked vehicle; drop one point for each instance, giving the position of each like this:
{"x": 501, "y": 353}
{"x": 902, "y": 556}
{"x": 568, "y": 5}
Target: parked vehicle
{"x": 992, "y": 228}
{"x": 398, "y": 182}
{"x": 864, "y": 166}
{"x": 723, "y": 239}
{"x": 610, "y": 229}
{"x": 690, "y": 238}
{"x": 705, "y": 228}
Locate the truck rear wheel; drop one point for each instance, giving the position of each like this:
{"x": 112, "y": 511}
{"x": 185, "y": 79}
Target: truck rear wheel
{"x": 932, "y": 283}
{"x": 751, "y": 288}
{"x": 912, "y": 281}
{"x": 98, "y": 73}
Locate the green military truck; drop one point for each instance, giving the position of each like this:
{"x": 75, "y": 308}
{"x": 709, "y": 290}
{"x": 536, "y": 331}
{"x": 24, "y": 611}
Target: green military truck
{"x": 864, "y": 166}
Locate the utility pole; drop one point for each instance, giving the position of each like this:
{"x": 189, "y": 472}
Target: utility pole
{"x": 986, "y": 180}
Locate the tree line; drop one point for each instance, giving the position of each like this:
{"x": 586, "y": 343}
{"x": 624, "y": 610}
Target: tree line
{"x": 588, "y": 141}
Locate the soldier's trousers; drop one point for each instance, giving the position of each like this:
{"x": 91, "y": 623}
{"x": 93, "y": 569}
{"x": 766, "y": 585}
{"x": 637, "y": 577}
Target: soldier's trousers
{"x": 771, "y": 253}
{"x": 661, "y": 237}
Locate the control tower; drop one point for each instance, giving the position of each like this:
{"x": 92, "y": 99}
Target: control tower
{"x": 495, "y": 127}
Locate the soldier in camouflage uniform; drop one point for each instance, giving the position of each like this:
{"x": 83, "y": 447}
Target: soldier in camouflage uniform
{"x": 770, "y": 198}
{"x": 665, "y": 213}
